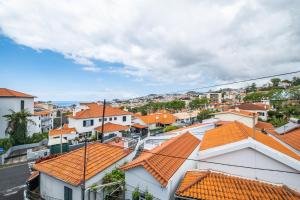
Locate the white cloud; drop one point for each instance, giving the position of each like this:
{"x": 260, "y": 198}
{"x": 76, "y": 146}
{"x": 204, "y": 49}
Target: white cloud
{"x": 91, "y": 69}
{"x": 181, "y": 42}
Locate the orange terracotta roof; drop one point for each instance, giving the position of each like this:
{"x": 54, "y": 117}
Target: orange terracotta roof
{"x": 250, "y": 106}
{"x": 212, "y": 185}
{"x": 4, "y": 92}
{"x": 139, "y": 126}
{"x": 110, "y": 127}
{"x": 238, "y": 112}
{"x": 158, "y": 161}
{"x": 163, "y": 118}
{"x": 42, "y": 112}
{"x": 62, "y": 131}
{"x": 95, "y": 110}
{"x": 264, "y": 125}
{"x": 236, "y": 131}
{"x": 33, "y": 175}
{"x": 291, "y": 138}
{"x": 68, "y": 167}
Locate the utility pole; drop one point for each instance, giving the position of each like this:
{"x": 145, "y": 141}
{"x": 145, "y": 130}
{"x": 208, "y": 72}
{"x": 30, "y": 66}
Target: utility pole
{"x": 102, "y": 126}
{"x": 84, "y": 170}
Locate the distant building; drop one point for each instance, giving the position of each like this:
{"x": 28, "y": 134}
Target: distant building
{"x": 214, "y": 97}
{"x": 88, "y": 116}
{"x": 68, "y": 134}
{"x": 242, "y": 116}
{"x": 260, "y": 109}
{"x": 45, "y": 118}
{"x": 16, "y": 101}
{"x": 154, "y": 120}
{"x": 186, "y": 117}
{"x": 111, "y": 130}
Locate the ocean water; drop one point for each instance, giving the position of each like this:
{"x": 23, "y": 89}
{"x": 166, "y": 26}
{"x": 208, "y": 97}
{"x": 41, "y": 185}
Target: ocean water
{"x": 65, "y": 103}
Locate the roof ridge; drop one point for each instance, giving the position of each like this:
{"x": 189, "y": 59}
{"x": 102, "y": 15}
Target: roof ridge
{"x": 195, "y": 181}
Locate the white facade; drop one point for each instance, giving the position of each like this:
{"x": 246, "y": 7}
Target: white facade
{"x": 255, "y": 155}
{"x": 78, "y": 123}
{"x": 141, "y": 178}
{"x": 13, "y": 103}
{"x": 52, "y": 188}
{"x": 248, "y": 121}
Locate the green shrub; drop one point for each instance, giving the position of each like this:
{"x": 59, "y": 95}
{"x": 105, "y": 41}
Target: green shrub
{"x": 136, "y": 194}
{"x": 5, "y": 143}
{"x": 170, "y": 128}
{"x": 148, "y": 196}
{"x": 36, "y": 137}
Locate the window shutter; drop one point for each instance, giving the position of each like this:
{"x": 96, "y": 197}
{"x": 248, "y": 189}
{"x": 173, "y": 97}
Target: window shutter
{"x": 84, "y": 123}
{"x": 92, "y": 122}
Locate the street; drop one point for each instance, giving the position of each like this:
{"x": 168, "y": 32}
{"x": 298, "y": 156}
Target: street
{"x": 12, "y": 181}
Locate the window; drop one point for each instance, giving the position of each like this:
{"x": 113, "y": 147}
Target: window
{"x": 115, "y": 118}
{"x": 110, "y": 119}
{"x": 124, "y": 118}
{"x": 67, "y": 193}
{"x": 22, "y": 104}
{"x": 100, "y": 120}
{"x": 105, "y": 119}
{"x": 87, "y": 123}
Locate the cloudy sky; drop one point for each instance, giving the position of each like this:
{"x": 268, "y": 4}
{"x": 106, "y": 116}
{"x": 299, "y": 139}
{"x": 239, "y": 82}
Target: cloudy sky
{"x": 88, "y": 50}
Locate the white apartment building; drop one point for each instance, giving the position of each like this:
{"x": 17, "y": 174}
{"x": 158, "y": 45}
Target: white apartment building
{"x": 16, "y": 101}
{"x": 45, "y": 118}
{"x": 88, "y": 116}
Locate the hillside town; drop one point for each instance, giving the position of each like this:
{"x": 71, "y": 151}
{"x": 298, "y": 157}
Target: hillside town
{"x": 225, "y": 143}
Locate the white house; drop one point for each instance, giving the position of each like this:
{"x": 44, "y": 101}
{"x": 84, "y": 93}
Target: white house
{"x": 154, "y": 120}
{"x": 88, "y": 116}
{"x": 203, "y": 184}
{"x": 68, "y": 134}
{"x": 236, "y": 149}
{"x": 242, "y": 116}
{"x": 45, "y": 118}
{"x": 186, "y": 117}
{"x": 160, "y": 170}
{"x": 62, "y": 177}
{"x": 260, "y": 109}
{"x": 16, "y": 101}
{"x": 111, "y": 130}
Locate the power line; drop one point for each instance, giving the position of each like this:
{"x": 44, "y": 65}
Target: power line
{"x": 235, "y": 82}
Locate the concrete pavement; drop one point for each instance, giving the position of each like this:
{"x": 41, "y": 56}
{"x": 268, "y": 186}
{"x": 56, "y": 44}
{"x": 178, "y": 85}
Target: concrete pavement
{"x": 12, "y": 181}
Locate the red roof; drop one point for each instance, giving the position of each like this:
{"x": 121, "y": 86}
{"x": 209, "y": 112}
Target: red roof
{"x": 163, "y": 118}
{"x": 110, "y": 127}
{"x": 62, "y": 131}
{"x": 162, "y": 162}
{"x": 250, "y": 106}
{"x": 139, "y": 126}
{"x": 238, "y": 112}
{"x": 236, "y": 131}
{"x": 292, "y": 138}
{"x": 213, "y": 185}
{"x": 4, "y": 92}
{"x": 69, "y": 167}
{"x": 96, "y": 110}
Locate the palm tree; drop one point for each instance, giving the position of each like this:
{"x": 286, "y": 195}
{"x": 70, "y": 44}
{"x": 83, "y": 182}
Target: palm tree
{"x": 17, "y": 125}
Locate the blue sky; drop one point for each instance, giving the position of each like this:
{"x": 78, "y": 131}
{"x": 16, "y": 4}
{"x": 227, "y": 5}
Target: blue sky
{"x": 90, "y": 50}
{"x": 51, "y": 76}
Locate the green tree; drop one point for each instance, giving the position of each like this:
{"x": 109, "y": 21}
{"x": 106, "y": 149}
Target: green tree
{"x": 17, "y": 126}
{"x": 198, "y": 103}
{"x": 275, "y": 82}
{"x": 296, "y": 81}
{"x": 116, "y": 191}
{"x": 205, "y": 114}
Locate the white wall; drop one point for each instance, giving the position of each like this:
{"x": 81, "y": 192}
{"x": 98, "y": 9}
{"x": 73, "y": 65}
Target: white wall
{"x": 139, "y": 177}
{"x": 13, "y": 103}
{"x": 248, "y": 121}
{"x": 78, "y": 123}
{"x": 252, "y": 158}
{"x": 36, "y": 127}
{"x": 52, "y": 187}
